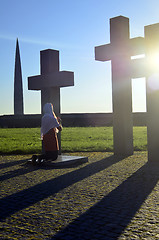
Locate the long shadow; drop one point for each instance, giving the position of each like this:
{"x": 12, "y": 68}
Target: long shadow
{"x": 11, "y": 163}
{"x": 20, "y": 200}
{"x": 27, "y": 168}
{"x": 17, "y": 172}
{"x": 108, "y": 218}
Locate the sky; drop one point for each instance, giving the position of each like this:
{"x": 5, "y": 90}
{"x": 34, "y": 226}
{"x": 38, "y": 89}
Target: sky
{"x": 74, "y": 27}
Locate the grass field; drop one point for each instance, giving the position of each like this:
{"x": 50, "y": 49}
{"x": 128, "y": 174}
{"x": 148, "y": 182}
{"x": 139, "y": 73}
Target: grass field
{"x": 27, "y": 140}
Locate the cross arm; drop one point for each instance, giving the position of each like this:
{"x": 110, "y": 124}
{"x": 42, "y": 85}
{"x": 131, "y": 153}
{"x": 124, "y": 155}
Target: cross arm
{"x": 137, "y": 46}
{"x": 134, "y": 46}
{"x": 55, "y": 79}
{"x": 103, "y": 52}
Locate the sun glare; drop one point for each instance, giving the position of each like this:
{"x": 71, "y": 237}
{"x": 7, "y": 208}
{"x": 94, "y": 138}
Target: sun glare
{"x": 153, "y": 82}
{"x": 153, "y": 61}
{"x": 153, "y": 65}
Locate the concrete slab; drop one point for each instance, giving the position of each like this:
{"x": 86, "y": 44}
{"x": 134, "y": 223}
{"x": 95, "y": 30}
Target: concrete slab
{"x": 64, "y": 160}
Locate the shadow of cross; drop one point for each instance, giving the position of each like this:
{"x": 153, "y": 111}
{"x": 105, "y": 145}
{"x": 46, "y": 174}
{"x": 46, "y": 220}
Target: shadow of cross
{"x": 119, "y": 51}
{"x": 51, "y": 80}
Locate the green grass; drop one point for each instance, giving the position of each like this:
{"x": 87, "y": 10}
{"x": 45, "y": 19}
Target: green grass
{"x": 27, "y": 140}
{"x": 20, "y": 140}
{"x": 87, "y": 139}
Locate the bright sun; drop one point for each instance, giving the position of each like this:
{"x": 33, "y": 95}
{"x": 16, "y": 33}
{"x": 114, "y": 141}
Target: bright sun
{"x": 154, "y": 61}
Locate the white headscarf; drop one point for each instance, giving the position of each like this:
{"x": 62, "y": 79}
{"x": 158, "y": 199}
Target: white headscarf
{"x": 49, "y": 119}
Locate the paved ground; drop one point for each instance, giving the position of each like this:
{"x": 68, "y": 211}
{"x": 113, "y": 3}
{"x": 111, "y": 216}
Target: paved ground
{"x": 106, "y": 198}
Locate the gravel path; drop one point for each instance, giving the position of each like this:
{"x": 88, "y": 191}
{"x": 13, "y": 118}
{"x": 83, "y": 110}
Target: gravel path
{"x": 106, "y": 198}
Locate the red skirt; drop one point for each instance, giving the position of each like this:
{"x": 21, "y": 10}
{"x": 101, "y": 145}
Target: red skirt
{"x": 50, "y": 141}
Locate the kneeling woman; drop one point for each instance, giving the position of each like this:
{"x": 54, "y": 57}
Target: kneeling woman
{"x": 50, "y": 125}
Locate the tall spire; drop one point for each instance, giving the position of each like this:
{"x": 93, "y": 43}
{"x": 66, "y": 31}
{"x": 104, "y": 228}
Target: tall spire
{"x": 18, "y": 87}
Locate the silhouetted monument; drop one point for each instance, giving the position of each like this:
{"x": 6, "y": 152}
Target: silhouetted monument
{"x": 152, "y": 90}
{"x": 18, "y": 87}
{"x": 119, "y": 51}
{"x": 50, "y": 80}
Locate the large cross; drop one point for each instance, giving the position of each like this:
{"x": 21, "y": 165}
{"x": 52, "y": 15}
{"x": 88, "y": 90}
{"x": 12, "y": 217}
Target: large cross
{"x": 119, "y": 51}
{"x": 50, "y": 80}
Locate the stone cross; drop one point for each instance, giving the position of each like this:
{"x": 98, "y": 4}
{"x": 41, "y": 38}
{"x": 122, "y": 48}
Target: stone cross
{"x": 50, "y": 80}
{"x": 119, "y": 51}
{"x": 152, "y": 90}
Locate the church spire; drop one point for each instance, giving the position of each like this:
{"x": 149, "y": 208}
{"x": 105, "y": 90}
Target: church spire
{"x": 18, "y": 87}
